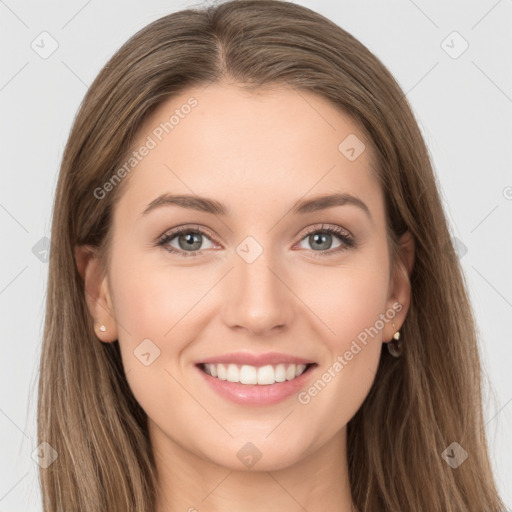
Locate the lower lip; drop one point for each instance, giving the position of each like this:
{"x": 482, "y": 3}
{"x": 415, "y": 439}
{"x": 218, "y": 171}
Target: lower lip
{"x": 252, "y": 394}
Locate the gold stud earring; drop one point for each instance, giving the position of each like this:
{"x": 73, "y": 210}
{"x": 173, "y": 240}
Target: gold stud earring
{"x": 395, "y": 346}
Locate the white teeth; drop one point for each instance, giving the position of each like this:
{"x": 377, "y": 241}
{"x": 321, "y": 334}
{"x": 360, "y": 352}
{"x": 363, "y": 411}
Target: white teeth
{"x": 233, "y": 374}
{"x": 268, "y": 374}
{"x": 290, "y": 372}
{"x": 246, "y": 374}
{"x": 221, "y": 371}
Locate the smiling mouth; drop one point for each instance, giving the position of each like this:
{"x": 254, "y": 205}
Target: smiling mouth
{"x": 255, "y": 375}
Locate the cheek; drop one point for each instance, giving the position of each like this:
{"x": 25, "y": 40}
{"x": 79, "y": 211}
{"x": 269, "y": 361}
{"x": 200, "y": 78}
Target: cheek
{"x": 349, "y": 301}
{"x": 152, "y": 308}
{"x": 160, "y": 309}
{"x": 150, "y": 300}
{"x": 353, "y": 309}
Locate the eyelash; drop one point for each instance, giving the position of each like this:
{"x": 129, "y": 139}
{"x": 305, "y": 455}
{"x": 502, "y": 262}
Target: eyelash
{"x": 346, "y": 239}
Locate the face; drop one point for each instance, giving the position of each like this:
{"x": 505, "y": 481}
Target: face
{"x": 252, "y": 273}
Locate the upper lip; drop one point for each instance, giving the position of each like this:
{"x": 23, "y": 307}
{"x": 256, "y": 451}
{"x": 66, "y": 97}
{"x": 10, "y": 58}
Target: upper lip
{"x": 250, "y": 359}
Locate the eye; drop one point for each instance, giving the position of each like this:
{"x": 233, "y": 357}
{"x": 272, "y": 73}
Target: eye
{"x": 188, "y": 240}
{"x": 321, "y": 238}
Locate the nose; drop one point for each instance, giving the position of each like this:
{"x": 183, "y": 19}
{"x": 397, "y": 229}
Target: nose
{"x": 258, "y": 299}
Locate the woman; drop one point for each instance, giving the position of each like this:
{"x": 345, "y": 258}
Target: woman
{"x": 201, "y": 352}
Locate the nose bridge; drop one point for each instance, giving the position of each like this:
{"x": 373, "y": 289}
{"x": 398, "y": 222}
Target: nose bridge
{"x": 257, "y": 296}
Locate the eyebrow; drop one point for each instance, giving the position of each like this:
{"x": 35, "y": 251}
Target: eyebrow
{"x": 207, "y": 205}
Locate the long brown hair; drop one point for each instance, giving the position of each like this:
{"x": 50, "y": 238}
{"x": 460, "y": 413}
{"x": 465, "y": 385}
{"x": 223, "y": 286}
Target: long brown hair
{"x": 419, "y": 403}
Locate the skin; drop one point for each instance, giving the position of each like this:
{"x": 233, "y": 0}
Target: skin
{"x": 258, "y": 153}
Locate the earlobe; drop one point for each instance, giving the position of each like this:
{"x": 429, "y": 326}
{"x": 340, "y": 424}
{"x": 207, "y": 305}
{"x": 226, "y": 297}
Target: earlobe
{"x": 96, "y": 293}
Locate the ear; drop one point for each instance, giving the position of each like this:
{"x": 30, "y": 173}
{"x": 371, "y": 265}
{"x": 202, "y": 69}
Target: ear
{"x": 97, "y": 293}
{"x": 400, "y": 285}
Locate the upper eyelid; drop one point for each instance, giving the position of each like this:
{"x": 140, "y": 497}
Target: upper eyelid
{"x": 326, "y": 227}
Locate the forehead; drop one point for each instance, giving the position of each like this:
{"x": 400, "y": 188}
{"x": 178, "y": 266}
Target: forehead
{"x": 239, "y": 146}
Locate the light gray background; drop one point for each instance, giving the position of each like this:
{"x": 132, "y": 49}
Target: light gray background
{"x": 463, "y": 105}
